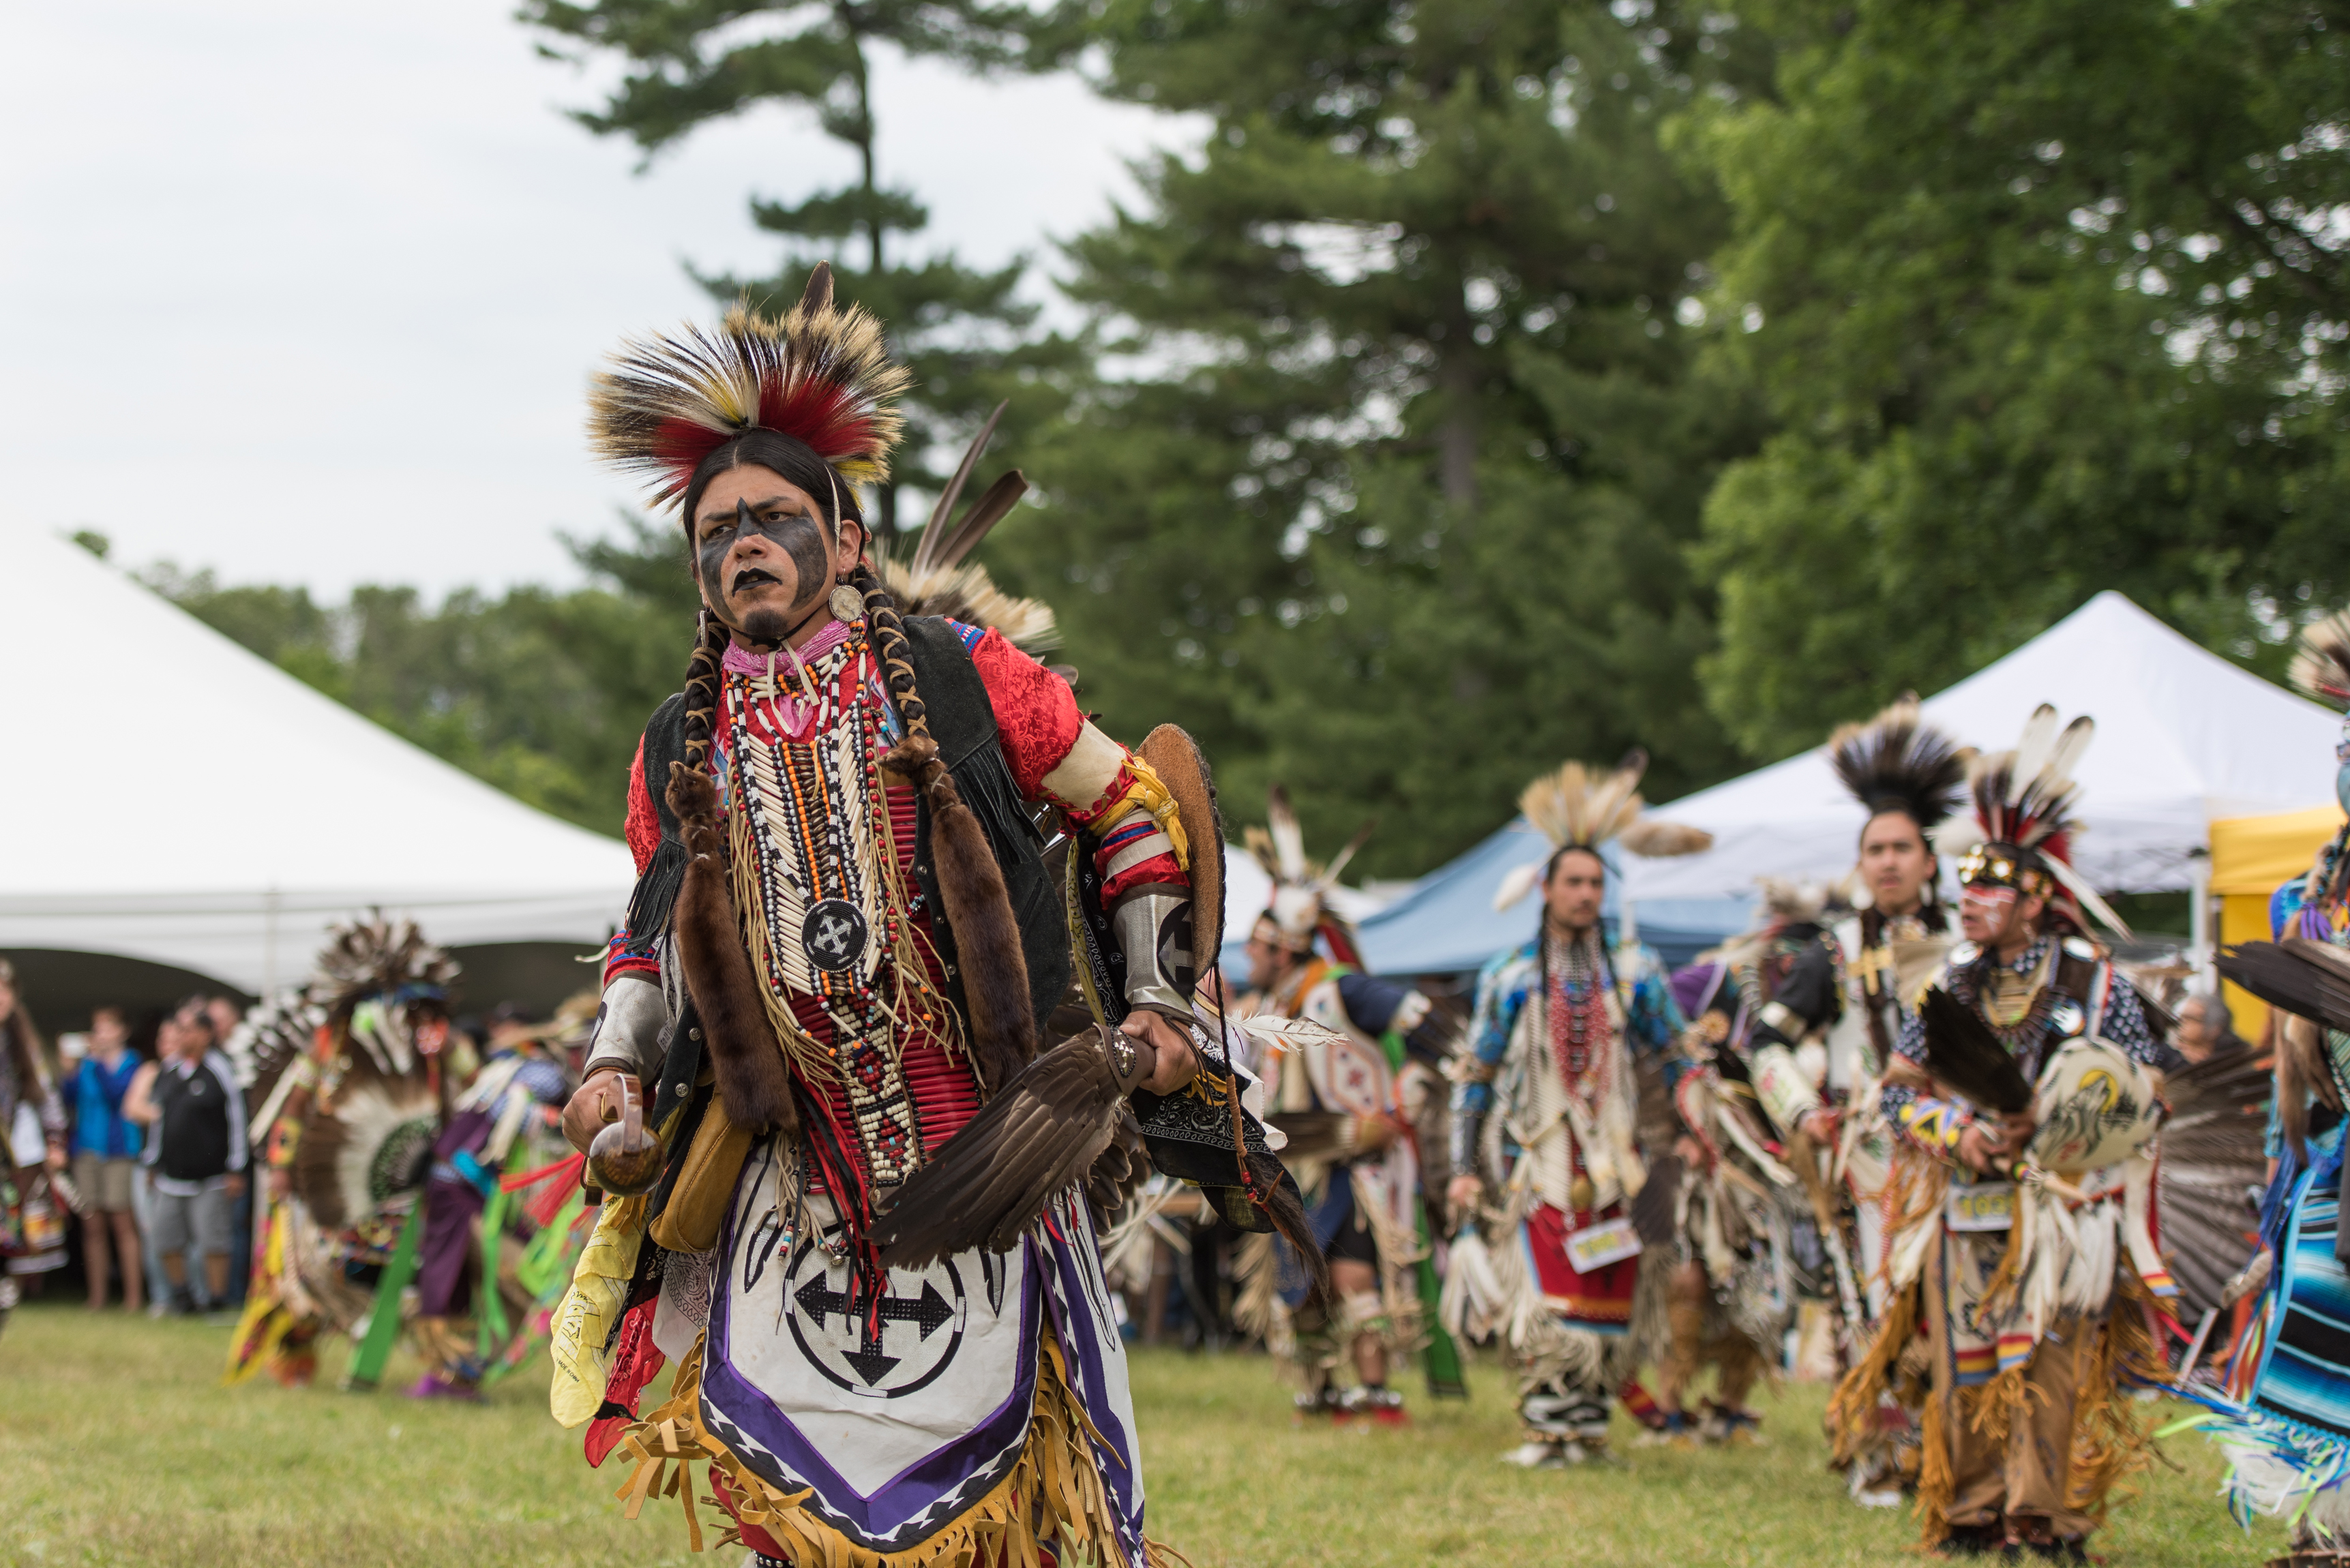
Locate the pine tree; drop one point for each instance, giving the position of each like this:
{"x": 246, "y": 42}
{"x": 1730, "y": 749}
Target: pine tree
{"x": 1396, "y": 511}
{"x": 966, "y": 332}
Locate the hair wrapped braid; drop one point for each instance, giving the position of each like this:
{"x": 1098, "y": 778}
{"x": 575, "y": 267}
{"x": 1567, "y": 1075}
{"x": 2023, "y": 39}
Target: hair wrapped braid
{"x": 888, "y": 630}
{"x": 701, "y": 676}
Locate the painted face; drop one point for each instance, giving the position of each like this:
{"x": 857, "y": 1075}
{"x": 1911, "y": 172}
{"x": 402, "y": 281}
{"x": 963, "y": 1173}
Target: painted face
{"x": 761, "y": 553}
{"x": 1987, "y": 911}
{"x": 2342, "y": 768}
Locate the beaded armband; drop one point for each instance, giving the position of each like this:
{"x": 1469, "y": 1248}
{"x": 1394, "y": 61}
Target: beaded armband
{"x": 284, "y": 1139}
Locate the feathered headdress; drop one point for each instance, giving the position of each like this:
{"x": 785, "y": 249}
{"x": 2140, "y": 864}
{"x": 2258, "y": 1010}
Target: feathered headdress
{"x": 1898, "y": 762}
{"x": 2320, "y": 666}
{"x": 2023, "y": 828}
{"x": 1300, "y": 908}
{"x": 937, "y": 581}
{"x": 1582, "y": 807}
{"x": 383, "y": 960}
{"x": 822, "y": 374}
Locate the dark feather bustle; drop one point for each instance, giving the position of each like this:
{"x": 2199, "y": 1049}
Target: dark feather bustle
{"x": 2298, "y": 975}
{"x": 2214, "y": 1159}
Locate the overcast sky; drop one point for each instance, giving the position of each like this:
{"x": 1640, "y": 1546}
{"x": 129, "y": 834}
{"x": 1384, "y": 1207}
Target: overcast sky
{"x": 308, "y": 293}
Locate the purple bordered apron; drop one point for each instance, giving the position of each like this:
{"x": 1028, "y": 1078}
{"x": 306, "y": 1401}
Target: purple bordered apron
{"x": 899, "y": 1421}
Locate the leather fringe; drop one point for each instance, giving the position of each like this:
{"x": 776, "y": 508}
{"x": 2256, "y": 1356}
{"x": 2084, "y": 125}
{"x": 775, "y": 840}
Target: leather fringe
{"x": 744, "y": 1053}
{"x": 989, "y": 961}
{"x": 1053, "y": 1496}
{"x": 1852, "y": 1417}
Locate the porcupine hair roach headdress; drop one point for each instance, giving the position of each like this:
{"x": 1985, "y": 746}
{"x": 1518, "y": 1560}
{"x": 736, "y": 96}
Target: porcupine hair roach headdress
{"x": 1583, "y": 806}
{"x": 1301, "y": 908}
{"x": 821, "y": 375}
{"x": 1898, "y": 762}
{"x": 2024, "y": 827}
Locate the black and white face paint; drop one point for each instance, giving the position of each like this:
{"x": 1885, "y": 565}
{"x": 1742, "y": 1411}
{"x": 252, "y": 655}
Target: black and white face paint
{"x": 764, "y": 569}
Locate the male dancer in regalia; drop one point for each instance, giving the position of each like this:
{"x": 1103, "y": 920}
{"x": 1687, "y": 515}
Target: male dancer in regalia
{"x": 1348, "y": 1102}
{"x": 2023, "y": 1093}
{"x": 840, "y": 948}
{"x": 1909, "y": 777}
{"x": 1545, "y": 1117}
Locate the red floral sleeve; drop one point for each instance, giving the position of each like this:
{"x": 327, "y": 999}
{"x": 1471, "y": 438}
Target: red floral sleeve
{"x": 1036, "y": 715}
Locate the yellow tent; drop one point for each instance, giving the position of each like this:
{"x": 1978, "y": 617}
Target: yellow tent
{"x": 2251, "y": 857}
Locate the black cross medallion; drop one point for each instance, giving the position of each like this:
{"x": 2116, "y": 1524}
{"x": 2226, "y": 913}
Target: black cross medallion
{"x": 834, "y": 935}
{"x": 929, "y": 1312}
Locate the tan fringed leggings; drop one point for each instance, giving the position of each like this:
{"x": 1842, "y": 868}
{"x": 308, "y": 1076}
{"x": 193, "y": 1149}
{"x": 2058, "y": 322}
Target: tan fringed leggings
{"x": 2023, "y": 1472}
{"x": 1736, "y": 1363}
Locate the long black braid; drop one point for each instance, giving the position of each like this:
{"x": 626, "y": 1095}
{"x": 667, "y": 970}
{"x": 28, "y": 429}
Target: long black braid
{"x": 889, "y": 631}
{"x": 702, "y": 679}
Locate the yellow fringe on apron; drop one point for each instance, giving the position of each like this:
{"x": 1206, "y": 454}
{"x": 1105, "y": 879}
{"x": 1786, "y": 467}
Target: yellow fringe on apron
{"x": 1053, "y": 1496}
{"x": 1851, "y": 1420}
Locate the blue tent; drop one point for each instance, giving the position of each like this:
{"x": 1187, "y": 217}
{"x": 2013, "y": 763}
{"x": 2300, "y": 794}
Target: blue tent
{"x": 1446, "y": 924}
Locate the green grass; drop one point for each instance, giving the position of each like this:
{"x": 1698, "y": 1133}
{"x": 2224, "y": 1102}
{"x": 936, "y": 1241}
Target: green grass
{"x": 118, "y": 1446}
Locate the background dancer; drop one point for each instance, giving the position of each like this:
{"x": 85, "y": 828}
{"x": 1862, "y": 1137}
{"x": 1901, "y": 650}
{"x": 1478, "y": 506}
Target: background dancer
{"x": 1546, "y": 1115}
{"x": 1349, "y": 1104}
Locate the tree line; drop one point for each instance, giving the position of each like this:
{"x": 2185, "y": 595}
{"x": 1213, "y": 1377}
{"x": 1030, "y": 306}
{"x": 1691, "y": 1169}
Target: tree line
{"x": 1505, "y": 380}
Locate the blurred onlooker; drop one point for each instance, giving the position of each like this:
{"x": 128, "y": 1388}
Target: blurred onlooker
{"x": 35, "y": 1123}
{"x": 197, "y": 1150}
{"x": 225, "y": 1015}
{"x": 2205, "y": 1029}
{"x": 106, "y": 1145}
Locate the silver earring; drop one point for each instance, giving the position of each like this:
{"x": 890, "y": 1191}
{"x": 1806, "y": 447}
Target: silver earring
{"x": 847, "y": 604}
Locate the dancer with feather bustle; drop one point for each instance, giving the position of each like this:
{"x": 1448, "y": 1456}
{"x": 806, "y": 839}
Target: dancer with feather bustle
{"x": 2022, "y": 1090}
{"x": 1349, "y": 1099}
{"x": 2283, "y": 1417}
{"x": 348, "y": 1080}
{"x": 1546, "y": 1128}
{"x": 860, "y": 1211}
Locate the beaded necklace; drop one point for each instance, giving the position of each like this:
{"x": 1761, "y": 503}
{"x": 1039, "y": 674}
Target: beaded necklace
{"x": 820, "y": 836}
{"x": 1581, "y": 1034}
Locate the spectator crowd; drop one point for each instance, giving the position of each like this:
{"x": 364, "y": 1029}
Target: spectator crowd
{"x": 133, "y": 1133}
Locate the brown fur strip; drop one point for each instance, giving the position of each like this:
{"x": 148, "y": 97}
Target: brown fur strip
{"x": 743, "y": 1051}
{"x": 988, "y": 959}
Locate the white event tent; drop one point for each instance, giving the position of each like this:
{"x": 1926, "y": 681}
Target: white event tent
{"x": 2184, "y": 738}
{"x": 174, "y": 798}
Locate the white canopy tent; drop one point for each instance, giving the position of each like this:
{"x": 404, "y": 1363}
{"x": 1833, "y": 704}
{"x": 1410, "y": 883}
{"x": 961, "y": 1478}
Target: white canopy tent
{"x": 174, "y": 798}
{"x": 2183, "y": 738}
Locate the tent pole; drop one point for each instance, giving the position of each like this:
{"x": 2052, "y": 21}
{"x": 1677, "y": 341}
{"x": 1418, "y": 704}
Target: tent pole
{"x": 1628, "y": 924}
{"x": 2199, "y": 917}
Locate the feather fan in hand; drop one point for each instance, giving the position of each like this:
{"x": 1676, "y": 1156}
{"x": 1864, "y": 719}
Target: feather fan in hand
{"x": 1966, "y": 1057}
{"x": 987, "y": 1184}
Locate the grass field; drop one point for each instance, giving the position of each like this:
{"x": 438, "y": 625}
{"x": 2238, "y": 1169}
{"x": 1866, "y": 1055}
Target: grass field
{"x": 118, "y": 1445}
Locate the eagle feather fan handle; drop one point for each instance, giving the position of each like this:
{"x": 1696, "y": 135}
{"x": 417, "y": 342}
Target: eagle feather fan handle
{"x": 1036, "y": 1137}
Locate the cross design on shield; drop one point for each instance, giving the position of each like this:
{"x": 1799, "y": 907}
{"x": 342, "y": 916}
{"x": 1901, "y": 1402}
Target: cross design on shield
{"x": 834, "y": 935}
